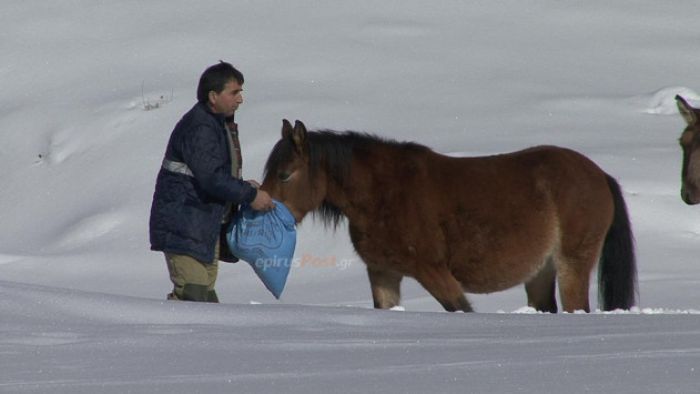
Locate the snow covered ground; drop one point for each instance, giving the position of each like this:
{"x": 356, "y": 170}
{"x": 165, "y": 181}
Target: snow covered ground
{"x": 82, "y": 305}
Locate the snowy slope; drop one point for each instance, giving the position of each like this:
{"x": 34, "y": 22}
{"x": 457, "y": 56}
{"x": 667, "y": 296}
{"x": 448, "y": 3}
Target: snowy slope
{"x": 82, "y": 307}
{"x": 78, "y": 342}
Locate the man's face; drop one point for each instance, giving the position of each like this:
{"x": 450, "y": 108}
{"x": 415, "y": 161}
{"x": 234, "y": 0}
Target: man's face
{"x": 228, "y": 100}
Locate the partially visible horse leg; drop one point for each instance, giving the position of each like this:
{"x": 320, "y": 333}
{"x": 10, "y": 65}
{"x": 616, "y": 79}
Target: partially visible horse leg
{"x": 574, "y": 290}
{"x": 574, "y": 275}
{"x": 541, "y": 289}
{"x": 442, "y": 285}
{"x": 386, "y": 287}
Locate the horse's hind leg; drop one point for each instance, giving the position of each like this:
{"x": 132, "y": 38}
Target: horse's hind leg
{"x": 445, "y": 288}
{"x": 541, "y": 289}
{"x": 386, "y": 287}
{"x": 573, "y": 275}
{"x": 574, "y": 290}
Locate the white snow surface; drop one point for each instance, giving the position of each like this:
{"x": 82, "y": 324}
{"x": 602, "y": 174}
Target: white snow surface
{"x": 91, "y": 91}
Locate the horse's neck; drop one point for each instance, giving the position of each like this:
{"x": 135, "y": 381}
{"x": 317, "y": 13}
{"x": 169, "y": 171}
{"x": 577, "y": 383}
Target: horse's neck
{"x": 365, "y": 188}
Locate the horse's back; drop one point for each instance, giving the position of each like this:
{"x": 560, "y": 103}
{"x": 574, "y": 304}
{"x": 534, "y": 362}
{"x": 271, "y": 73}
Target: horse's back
{"x": 577, "y": 186}
{"x": 551, "y": 179}
{"x": 559, "y": 173}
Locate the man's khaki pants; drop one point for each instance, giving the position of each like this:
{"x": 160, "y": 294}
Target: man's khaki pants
{"x": 192, "y": 279}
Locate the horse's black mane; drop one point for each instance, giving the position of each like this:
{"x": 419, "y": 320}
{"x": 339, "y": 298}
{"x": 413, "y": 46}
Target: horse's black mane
{"x": 334, "y": 151}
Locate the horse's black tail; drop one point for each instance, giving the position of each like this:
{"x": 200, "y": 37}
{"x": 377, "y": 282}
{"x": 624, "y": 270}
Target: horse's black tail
{"x": 617, "y": 272}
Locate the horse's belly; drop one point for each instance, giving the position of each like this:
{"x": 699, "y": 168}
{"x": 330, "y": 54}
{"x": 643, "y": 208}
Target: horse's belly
{"x": 490, "y": 284}
{"x": 493, "y": 276}
{"x": 482, "y": 261}
{"x": 500, "y": 263}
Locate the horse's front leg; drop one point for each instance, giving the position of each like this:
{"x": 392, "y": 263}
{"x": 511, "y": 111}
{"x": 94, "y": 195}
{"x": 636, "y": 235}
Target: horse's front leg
{"x": 386, "y": 287}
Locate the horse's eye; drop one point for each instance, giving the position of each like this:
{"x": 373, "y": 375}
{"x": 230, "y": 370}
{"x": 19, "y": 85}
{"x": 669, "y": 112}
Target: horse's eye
{"x": 284, "y": 176}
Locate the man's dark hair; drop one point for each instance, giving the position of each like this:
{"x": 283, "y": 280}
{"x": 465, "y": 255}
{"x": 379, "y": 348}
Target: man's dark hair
{"x": 215, "y": 78}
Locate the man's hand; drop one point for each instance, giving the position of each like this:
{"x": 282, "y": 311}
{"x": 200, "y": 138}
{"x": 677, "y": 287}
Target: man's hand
{"x": 262, "y": 202}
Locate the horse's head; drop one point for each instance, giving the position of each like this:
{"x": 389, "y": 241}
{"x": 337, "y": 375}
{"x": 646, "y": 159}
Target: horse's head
{"x": 690, "y": 142}
{"x": 289, "y": 175}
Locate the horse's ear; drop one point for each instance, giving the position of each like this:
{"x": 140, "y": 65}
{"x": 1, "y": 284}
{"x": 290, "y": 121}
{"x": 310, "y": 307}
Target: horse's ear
{"x": 286, "y": 129}
{"x": 689, "y": 113}
{"x": 299, "y": 137}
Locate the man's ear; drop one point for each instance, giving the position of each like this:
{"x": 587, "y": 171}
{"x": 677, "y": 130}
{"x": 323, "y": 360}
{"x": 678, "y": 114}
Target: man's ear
{"x": 212, "y": 97}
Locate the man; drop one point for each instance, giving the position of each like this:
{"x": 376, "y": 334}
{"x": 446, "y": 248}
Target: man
{"x": 199, "y": 186}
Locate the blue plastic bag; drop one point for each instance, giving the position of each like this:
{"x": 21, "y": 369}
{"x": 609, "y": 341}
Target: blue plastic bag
{"x": 266, "y": 240}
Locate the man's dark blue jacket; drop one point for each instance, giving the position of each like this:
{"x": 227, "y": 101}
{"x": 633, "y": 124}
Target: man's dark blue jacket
{"x": 187, "y": 210}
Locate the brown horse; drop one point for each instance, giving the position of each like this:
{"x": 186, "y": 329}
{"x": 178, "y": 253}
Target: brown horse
{"x": 484, "y": 224}
{"x": 690, "y": 141}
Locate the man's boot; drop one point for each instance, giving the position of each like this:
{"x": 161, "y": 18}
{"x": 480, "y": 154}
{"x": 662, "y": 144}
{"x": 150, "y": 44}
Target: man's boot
{"x": 197, "y": 293}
